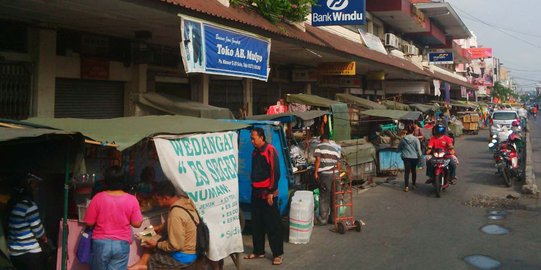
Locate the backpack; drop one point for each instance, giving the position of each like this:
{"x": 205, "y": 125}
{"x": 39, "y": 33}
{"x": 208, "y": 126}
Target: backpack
{"x": 202, "y": 233}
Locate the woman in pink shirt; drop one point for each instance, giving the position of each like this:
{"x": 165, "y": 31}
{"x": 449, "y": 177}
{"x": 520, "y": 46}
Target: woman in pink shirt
{"x": 110, "y": 213}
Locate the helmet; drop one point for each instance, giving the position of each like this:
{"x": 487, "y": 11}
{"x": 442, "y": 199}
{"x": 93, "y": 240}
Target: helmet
{"x": 513, "y": 137}
{"x": 516, "y": 123}
{"x": 439, "y": 129}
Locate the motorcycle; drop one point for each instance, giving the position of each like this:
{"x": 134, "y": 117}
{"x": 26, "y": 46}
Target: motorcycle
{"x": 506, "y": 158}
{"x": 441, "y": 160}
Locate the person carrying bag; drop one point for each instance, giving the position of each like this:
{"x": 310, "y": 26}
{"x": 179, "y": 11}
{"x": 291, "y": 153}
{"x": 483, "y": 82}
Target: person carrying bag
{"x": 410, "y": 149}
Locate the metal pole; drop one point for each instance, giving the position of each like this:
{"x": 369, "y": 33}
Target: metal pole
{"x": 65, "y": 217}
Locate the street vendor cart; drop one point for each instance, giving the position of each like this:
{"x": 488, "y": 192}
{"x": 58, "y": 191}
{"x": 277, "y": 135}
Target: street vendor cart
{"x": 470, "y": 120}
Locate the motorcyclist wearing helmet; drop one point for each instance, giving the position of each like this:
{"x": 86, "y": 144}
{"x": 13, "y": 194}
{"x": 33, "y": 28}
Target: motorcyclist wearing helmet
{"x": 440, "y": 140}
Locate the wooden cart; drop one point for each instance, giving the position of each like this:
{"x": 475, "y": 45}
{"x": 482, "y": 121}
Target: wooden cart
{"x": 470, "y": 122}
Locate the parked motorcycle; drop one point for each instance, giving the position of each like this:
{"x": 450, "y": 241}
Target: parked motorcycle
{"x": 440, "y": 160}
{"x": 507, "y": 157}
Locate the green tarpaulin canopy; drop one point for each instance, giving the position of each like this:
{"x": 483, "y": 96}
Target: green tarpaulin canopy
{"x": 340, "y": 112}
{"x": 127, "y": 131}
{"x": 308, "y": 115}
{"x": 174, "y": 105}
{"x": 425, "y": 108}
{"x": 357, "y": 101}
{"x": 13, "y": 134}
{"x": 311, "y": 100}
{"x": 393, "y": 114}
{"x": 393, "y": 105}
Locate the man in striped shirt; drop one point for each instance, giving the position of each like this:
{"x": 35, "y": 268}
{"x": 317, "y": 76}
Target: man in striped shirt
{"x": 25, "y": 228}
{"x": 327, "y": 166}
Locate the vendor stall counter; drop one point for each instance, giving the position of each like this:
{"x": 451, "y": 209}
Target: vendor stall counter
{"x": 153, "y": 217}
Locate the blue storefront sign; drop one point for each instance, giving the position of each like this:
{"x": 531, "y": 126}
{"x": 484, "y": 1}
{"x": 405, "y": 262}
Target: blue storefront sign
{"x": 338, "y": 12}
{"x": 440, "y": 58}
{"x": 213, "y": 49}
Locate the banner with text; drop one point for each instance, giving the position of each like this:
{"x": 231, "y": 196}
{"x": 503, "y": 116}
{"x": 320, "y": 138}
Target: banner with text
{"x": 338, "y": 12}
{"x": 440, "y": 58}
{"x": 215, "y": 49}
{"x": 205, "y": 167}
{"x": 476, "y": 53}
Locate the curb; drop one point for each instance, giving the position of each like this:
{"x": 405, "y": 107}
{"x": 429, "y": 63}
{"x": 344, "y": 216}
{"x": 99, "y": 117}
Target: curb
{"x": 529, "y": 186}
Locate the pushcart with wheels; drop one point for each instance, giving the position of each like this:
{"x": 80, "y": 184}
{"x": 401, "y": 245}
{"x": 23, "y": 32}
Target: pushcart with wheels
{"x": 343, "y": 217}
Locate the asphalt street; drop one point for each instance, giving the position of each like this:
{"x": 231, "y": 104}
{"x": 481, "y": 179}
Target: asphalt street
{"x": 416, "y": 230}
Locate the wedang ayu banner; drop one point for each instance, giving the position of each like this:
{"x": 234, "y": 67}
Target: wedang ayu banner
{"x": 205, "y": 167}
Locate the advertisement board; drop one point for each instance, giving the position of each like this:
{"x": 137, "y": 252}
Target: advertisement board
{"x": 481, "y": 71}
{"x": 338, "y": 12}
{"x": 440, "y": 58}
{"x": 205, "y": 167}
{"x": 214, "y": 49}
{"x": 476, "y": 53}
{"x": 337, "y": 69}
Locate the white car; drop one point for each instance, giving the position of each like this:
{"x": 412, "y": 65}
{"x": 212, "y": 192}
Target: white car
{"x": 502, "y": 118}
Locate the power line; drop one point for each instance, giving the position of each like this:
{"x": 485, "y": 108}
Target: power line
{"x": 498, "y": 29}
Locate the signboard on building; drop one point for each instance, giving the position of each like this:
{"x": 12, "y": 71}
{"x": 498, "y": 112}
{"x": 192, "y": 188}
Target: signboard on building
{"x": 372, "y": 41}
{"x": 476, "y": 53}
{"x": 338, "y": 12}
{"x": 337, "y": 69}
{"x": 440, "y": 58}
{"x": 205, "y": 167}
{"x": 215, "y": 49}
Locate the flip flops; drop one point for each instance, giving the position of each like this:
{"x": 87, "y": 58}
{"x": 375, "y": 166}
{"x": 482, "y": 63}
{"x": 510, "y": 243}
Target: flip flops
{"x": 254, "y": 256}
{"x": 277, "y": 260}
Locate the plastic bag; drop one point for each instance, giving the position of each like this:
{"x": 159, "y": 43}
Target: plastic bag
{"x": 84, "y": 248}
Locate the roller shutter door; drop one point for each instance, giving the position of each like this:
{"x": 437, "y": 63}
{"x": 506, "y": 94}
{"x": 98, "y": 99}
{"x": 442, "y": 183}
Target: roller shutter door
{"x": 89, "y": 99}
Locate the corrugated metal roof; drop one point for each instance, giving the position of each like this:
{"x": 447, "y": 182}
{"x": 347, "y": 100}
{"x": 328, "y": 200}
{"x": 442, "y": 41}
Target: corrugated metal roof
{"x": 313, "y": 35}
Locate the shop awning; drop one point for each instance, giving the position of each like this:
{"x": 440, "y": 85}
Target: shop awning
{"x": 127, "y": 131}
{"x": 394, "y": 114}
{"x": 393, "y": 105}
{"x": 358, "y": 101}
{"x": 289, "y": 116}
{"x": 13, "y": 134}
{"x": 177, "y": 106}
{"x": 311, "y": 100}
{"x": 425, "y": 108}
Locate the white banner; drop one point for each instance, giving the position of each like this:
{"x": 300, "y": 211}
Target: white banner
{"x": 205, "y": 167}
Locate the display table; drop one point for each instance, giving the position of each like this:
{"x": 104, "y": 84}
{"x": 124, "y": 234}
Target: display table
{"x": 153, "y": 217}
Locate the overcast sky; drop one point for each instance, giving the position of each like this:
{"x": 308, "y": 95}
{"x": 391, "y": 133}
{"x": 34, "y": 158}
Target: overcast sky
{"x": 511, "y": 25}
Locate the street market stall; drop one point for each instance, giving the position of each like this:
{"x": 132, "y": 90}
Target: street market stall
{"x": 359, "y": 126}
{"x": 387, "y": 138}
{"x": 51, "y": 154}
{"x": 339, "y": 122}
{"x": 200, "y": 147}
{"x": 153, "y": 103}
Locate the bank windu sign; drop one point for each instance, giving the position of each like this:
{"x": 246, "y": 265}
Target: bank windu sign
{"x": 338, "y": 12}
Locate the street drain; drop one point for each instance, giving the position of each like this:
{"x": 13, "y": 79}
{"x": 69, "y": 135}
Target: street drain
{"x": 482, "y": 262}
{"x": 497, "y": 213}
{"x": 495, "y": 217}
{"x": 494, "y": 229}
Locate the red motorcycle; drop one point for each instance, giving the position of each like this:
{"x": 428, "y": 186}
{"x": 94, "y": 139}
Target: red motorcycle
{"x": 441, "y": 160}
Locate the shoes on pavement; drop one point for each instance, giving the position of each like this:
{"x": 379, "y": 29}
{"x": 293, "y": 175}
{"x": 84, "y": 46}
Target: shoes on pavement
{"x": 406, "y": 189}
{"x": 453, "y": 181}
{"x": 429, "y": 181}
{"x": 413, "y": 187}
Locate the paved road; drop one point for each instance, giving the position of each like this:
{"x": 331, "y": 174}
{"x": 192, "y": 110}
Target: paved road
{"x": 416, "y": 230}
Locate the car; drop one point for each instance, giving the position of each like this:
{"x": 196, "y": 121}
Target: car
{"x": 500, "y": 119}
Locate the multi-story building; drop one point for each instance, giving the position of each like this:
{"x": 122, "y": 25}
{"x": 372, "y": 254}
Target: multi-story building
{"x": 94, "y": 60}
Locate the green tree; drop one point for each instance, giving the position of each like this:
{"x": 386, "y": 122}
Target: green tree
{"x": 278, "y": 10}
{"x": 502, "y": 93}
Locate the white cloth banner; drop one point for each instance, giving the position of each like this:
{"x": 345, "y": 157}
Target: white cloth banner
{"x": 205, "y": 167}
